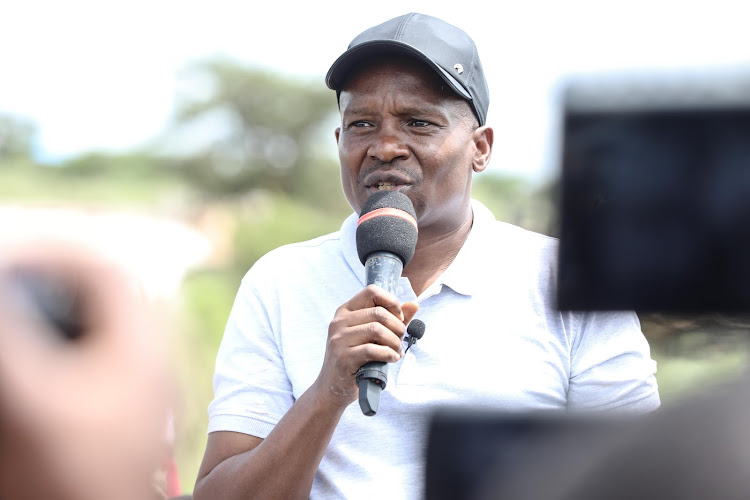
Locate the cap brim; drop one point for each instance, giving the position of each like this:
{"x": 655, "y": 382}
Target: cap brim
{"x": 340, "y": 69}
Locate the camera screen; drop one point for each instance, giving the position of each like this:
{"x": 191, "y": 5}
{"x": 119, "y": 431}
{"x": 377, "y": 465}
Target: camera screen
{"x": 655, "y": 210}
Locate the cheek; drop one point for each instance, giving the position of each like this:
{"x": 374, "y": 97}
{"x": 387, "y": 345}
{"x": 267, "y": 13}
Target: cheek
{"x": 350, "y": 191}
{"x": 349, "y": 180}
{"x": 449, "y": 182}
{"x": 349, "y": 158}
{"x": 452, "y": 170}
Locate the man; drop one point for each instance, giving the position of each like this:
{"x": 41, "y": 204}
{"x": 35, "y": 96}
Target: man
{"x": 413, "y": 103}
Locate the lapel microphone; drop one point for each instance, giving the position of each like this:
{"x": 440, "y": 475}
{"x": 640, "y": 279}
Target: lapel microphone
{"x": 415, "y": 330}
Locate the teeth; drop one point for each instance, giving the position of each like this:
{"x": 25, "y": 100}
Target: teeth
{"x": 385, "y": 186}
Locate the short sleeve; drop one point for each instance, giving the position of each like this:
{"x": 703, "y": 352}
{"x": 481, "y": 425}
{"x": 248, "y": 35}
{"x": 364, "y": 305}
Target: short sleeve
{"x": 611, "y": 365}
{"x": 251, "y": 388}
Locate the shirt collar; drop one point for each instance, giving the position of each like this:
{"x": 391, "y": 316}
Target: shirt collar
{"x": 349, "y": 246}
{"x": 461, "y": 274}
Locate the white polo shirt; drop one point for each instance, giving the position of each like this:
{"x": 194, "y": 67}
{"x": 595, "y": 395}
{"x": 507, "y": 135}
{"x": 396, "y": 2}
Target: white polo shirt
{"x": 493, "y": 340}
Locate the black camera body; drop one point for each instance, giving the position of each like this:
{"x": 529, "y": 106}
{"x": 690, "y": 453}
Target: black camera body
{"x": 655, "y": 191}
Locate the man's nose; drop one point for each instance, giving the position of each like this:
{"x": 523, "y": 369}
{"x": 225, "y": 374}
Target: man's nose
{"x": 388, "y": 144}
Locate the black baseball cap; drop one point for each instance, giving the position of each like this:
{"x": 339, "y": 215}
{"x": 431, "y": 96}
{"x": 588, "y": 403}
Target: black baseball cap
{"x": 445, "y": 48}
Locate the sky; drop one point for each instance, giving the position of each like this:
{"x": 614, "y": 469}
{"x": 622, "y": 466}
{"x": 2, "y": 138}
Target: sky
{"x": 103, "y": 75}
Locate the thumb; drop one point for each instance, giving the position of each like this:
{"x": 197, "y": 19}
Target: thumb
{"x": 409, "y": 309}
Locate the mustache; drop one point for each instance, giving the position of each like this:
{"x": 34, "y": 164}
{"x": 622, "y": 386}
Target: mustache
{"x": 388, "y": 166}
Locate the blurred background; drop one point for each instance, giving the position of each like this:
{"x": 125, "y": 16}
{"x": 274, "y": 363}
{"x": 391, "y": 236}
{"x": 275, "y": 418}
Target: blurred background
{"x": 198, "y": 136}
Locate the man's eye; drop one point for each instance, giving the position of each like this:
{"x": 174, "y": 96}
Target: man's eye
{"x": 360, "y": 123}
{"x": 419, "y": 123}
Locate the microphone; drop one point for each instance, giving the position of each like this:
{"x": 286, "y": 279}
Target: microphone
{"x": 386, "y": 239}
{"x": 415, "y": 331}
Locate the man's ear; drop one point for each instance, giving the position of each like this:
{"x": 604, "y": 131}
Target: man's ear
{"x": 483, "y": 137}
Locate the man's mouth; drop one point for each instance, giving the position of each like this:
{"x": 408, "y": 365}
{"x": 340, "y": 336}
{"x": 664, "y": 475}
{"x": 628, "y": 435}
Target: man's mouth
{"x": 387, "y": 186}
{"x": 386, "y": 181}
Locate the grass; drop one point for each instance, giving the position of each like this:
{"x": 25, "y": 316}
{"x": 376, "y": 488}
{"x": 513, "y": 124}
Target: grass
{"x": 207, "y": 298}
{"x": 46, "y": 185}
{"x": 682, "y": 376}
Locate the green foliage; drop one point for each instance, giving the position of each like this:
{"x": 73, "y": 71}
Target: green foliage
{"x": 505, "y": 196}
{"x": 267, "y": 222}
{"x": 27, "y": 182}
{"x": 16, "y": 137}
{"x": 136, "y": 165}
{"x": 683, "y": 376}
{"x": 207, "y": 297}
{"x": 262, "y": 132}
{"x": 514, "y": 200}
{"x": 261, "y": 99}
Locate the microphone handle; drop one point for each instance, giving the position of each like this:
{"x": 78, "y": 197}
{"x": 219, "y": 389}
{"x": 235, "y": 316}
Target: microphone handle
{"x": 382, "y": 269}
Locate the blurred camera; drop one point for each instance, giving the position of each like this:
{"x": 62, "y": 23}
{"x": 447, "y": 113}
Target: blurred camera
{"x": 655, "y": 191}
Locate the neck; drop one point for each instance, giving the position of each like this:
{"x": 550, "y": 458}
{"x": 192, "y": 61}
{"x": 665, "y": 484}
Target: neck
{"x": 433, "y": 255}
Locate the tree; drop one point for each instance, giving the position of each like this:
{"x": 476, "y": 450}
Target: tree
{"x": 254, "y": 130}
{"x": 16, "y": 137}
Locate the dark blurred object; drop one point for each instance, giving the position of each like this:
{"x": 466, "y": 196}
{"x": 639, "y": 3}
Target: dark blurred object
{"x": 697, "y": 450}
{"x": 472, "y": 454}
{"x": 655, "y": 192}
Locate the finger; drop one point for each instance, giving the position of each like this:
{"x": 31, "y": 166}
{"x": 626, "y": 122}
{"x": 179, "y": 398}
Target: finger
{"x": 372, "y": 333}
{"x": 410, "y": 310}
{"x": 20, "y": 344}
{"x": 109, "y": 378}
{"x": 350, "y": 320}
{"x": 383, "y": 316}
{"x": 102, "y": 297}
{"x": 373, "y": 296}
{"x": 372, "y": 352}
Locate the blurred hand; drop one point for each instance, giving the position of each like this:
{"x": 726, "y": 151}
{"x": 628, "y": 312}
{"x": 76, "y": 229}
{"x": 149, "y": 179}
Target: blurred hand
{"x": 83, "y": 397}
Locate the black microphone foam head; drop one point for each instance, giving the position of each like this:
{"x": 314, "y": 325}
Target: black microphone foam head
{"x": 387, "y": 223}
{"x": 416, "y": 329}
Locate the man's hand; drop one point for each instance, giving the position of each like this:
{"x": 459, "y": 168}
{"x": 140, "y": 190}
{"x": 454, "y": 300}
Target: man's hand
{"x": 369, "y": 327}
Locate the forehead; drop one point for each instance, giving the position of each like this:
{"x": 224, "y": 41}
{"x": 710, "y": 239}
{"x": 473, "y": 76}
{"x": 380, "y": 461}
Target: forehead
{"x": 408, "y": 76}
